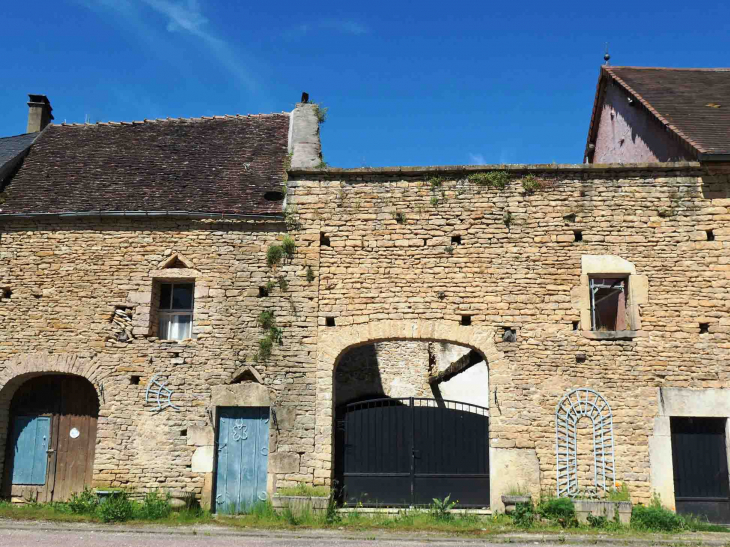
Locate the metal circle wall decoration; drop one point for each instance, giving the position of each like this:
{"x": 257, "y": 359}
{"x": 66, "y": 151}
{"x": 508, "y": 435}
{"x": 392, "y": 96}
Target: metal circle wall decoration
{"x": 577, "y": 404}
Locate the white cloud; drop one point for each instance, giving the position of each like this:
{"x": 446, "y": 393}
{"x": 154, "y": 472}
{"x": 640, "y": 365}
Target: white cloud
{"x": 476, "y": 159}
{"x": 184, "y": 17}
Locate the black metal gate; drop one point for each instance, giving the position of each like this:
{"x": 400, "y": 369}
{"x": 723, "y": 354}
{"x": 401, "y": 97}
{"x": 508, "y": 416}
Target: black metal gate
{"x": 403, "y": 452}
{"x": 699, "y": 458}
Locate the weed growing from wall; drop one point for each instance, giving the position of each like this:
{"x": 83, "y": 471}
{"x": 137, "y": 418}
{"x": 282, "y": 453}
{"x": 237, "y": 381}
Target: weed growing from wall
{"x": 491, "y": 179}
{"x": 273, "y": 335}
{"x": 321, "y": 112}
{"x": 531, "y": 184}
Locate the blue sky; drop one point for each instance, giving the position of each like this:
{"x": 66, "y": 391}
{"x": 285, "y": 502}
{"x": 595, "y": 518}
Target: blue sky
{"x": 406, "y": 83}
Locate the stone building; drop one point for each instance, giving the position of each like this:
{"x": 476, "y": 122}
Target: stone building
{"x": 148, "y": 269}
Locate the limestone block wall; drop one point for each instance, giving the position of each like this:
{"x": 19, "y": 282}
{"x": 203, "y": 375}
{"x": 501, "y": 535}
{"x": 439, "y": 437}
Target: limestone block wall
{"x": 64, "y": 279}
{"x": 391, "y": 253}
{"x": 385, "y": 369}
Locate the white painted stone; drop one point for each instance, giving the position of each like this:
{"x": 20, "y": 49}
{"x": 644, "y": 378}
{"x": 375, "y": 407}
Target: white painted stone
{"x": 203, "y": 460}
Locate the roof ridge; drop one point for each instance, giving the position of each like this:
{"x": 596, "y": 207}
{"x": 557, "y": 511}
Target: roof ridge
{"x": 168, "y": 119}
{"x": 20, "y": 135}
{"x": 717, "y": 69}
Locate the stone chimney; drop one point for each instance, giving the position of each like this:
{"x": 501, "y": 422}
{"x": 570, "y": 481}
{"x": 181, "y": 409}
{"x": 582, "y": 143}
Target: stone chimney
{"x": 304, "y": 143}
{"x": 39, "y": 113}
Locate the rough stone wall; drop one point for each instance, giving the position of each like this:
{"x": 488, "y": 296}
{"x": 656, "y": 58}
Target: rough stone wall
{"x": 391, "y": 257}
{"x": 65, "y": 280}
{"x": 386, "y": 369}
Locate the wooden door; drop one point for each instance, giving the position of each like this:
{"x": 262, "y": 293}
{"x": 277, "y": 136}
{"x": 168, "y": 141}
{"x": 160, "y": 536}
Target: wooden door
{"x": 76, "y": 437}
{"x": 242, "y": 458}
{"x": 50, "y": 449}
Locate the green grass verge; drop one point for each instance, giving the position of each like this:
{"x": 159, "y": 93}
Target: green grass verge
{"x": 263, "y": 516}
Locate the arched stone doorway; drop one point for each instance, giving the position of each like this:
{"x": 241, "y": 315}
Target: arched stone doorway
{"x": 412, "y": 424}
{"x": 50, "y": 437}
{"x": 334, "y": 343}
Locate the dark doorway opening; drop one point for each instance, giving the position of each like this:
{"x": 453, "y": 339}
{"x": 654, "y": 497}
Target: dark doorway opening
{"x": 699, "y": 457}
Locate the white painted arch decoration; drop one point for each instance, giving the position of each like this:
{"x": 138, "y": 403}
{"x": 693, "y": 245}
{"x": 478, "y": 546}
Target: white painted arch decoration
{"x": 577, "y": 404}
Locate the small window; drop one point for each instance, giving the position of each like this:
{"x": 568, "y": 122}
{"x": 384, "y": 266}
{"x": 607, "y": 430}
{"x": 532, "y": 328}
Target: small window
{"x": 176, "y": 311}
{"x": 609, "y": 304}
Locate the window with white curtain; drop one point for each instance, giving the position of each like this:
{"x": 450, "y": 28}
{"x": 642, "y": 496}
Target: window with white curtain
{"x": 176, "y": 311}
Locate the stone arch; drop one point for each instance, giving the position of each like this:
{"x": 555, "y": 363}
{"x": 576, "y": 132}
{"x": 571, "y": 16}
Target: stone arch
{"x": 333, "y": 343}
{"x": 21, "y": 368}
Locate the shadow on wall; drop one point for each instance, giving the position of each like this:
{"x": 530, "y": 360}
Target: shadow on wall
{"x": 357, "y": 377}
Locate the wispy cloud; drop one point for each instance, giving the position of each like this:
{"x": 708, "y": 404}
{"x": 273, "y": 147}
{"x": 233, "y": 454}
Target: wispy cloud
{"x": 184, "y": 17}
{"x": 342, "y": 26}
{"x": 477, "y": 159}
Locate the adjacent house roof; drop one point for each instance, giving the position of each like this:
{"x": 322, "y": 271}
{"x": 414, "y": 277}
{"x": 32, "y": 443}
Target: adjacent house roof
{"x": 220, "y": 165}
{"x": 692, "y": 103}
{"x": 12, "y": 150}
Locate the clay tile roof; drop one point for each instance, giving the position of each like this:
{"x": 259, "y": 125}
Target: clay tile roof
{"x": 692, "y": 103}
{"x": 221, "y": 165}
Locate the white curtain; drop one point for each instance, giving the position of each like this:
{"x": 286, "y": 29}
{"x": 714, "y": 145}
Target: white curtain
{"x": 175, "y": 326}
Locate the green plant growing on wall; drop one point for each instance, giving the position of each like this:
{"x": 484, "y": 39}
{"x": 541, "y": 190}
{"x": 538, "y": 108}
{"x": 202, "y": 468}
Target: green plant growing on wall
{"x": 322, "y": 164}
{"x": 507, "y": 219}
{"x": 435, "y": 183}
{"x": 321, "y": 112}
{"x": 291, "y": 217}
{"x": 266, "y": 319}
{"x": 273, "y": 335}
{"x": 289, "y": 246}
{"x": 274, "y": 254}
{"x": 449, "y": 249}
{"x": 283, "y": 283}
{"x": 434, "y": 201}
{"x": 491, "y": 179}
{"x": 310, "y": 274}
{"x": 531, "y": 184}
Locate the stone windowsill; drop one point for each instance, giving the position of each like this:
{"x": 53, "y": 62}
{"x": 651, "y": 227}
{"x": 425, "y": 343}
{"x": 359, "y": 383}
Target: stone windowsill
{"x": 611, "y": 334}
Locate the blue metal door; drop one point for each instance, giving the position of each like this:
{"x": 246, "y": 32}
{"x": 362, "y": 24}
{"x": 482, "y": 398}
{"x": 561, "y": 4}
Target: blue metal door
{"x": 31, "y": 435}
{"x": 243, "y": 453}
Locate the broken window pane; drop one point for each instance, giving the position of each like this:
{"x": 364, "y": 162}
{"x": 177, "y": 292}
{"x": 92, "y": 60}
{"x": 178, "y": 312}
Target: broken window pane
{"x": 608, "y": 304}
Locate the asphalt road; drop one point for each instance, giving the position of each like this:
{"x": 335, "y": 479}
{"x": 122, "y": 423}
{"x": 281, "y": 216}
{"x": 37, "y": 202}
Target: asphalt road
{"x": 14, "y": 537}
{"x": 27, "y": 534}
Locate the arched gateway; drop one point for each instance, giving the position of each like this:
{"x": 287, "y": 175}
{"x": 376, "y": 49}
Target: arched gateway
{"x": 438, "y": 421}
{"x": 48, "y": 421}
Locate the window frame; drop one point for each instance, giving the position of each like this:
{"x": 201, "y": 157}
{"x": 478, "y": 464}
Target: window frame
{"x": 169, "y": 313}
{"x": 594, "y": 287}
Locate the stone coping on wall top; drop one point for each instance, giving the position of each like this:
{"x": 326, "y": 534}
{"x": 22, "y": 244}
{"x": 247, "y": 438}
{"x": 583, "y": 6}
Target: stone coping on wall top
{"x": 514, "y": 167}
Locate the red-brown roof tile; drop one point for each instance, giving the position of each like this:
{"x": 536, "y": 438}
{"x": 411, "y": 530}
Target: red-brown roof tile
{"x": 213, "y": 165}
